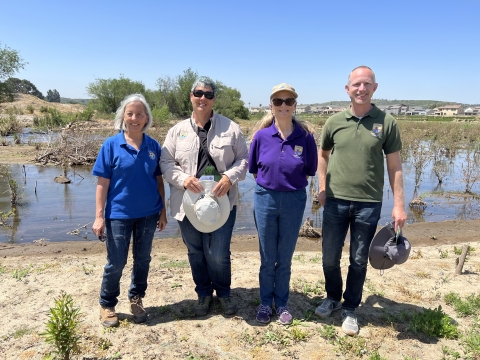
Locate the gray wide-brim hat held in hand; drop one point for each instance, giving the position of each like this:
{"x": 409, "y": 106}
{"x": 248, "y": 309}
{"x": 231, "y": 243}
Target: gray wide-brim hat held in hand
{"x": 388, "y": 249}
{"x": 205, "y": 211}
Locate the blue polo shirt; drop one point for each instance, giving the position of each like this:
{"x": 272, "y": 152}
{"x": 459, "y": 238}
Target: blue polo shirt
{"x": 133, "y": 175}
{"x": 283, "y": 165}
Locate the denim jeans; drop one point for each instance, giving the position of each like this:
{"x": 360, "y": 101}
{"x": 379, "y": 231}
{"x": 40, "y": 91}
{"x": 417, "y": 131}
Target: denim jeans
{"x": 119, "y": 233}
{"x": 209, "y": 256}
{"x": 338, "y": 216}
{"x": 278, "y": 217}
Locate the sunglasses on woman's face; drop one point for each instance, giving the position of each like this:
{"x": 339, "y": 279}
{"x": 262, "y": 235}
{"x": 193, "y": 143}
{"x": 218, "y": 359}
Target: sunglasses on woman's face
{"x": 279, "y": 102}
{"x": 208, "y": 94}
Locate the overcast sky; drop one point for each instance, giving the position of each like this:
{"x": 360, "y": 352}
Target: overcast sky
{"x": 419, "y": 50}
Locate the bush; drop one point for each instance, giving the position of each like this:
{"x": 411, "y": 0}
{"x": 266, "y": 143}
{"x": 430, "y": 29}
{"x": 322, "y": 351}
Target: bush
{"x": 434, "y": 323}
{"x": 63, "y": 326}
{"x": 10, "y": 125}
{"x": 161, "y": 115}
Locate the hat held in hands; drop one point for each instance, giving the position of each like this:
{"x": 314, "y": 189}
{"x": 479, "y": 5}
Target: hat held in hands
{"x": 205, "y": 211}
{"x": 388, "y": 249}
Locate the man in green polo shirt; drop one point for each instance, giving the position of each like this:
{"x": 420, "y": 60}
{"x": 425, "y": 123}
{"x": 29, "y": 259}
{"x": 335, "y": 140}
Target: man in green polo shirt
{"x": 351, "y": 173}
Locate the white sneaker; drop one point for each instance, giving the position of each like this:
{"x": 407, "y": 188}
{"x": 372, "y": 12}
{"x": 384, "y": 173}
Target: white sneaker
{"x": 349, "y": 325}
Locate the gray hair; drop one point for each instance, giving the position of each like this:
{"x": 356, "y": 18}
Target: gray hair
{"x": 205, "y": 81}
{"x": 119, "y": 124}
{"x": 361, "y": 67}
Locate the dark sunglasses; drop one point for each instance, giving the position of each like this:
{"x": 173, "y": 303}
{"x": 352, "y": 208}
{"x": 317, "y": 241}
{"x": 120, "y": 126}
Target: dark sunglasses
{"x": 279, "y": 102}
{"x": 208, "y": 94}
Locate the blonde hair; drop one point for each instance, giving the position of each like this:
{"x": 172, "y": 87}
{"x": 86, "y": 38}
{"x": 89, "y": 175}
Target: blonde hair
{"x": 267, "y": 121}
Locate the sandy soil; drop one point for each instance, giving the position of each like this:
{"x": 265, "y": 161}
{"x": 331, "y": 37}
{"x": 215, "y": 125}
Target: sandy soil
{"x": 33, "y": 275}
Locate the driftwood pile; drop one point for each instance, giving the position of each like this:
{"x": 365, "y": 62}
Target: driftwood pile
{"x": 70, "y": 148}
{"x": 307, "y": 230}
{"x": 418, "y": 204}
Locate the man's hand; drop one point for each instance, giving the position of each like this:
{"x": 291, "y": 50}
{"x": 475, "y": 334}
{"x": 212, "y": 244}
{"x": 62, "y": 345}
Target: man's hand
{"x": 193, "y": 184}
{"x": 321, "y": 197}
{"x": 222, "y": 187}
{"x": 400, "y": 216}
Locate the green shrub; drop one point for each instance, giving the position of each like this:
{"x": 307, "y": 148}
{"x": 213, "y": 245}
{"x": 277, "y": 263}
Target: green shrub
{"x": 434, "y": 323}
{"x": 161, "y": 115}
{"x": 63, "y": 327}
{"x": 10, "y": 125}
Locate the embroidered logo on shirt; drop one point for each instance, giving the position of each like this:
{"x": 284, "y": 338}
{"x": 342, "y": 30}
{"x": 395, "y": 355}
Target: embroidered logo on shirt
{"x": 377, "y": 130}
{"x": 183, "y": 135}
{"x": 298, "y": 150}
{"x": 151, "y": 154}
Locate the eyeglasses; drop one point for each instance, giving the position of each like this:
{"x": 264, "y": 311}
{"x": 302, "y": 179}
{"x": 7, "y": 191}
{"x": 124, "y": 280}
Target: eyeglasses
{"x": 279, "y": 102}
{"x": 208, "y": 94}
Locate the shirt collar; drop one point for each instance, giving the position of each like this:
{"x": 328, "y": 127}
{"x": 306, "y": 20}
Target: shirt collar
{"x": 212, "y": 120}
{"x": 374, "y": 111}
{"x": 297, "y": 130}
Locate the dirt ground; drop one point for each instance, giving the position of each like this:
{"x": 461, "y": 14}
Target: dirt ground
{"x": 33, "y": 275}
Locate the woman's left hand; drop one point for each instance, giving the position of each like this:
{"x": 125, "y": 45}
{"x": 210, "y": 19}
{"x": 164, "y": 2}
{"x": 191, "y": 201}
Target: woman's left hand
{"x": 162, "y": 222}
{"x": 222, "y": 187}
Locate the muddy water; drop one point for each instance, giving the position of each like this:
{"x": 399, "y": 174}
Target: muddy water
{"x": 58, "y": 212}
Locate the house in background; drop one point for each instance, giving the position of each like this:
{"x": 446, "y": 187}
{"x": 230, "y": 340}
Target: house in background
{"x": 330, "y": 110}
{"x": 472, "y": 111}
{"x": 449, "y": 110}
{"x": 400, "y": 109}
{"x": 418, "y": 110}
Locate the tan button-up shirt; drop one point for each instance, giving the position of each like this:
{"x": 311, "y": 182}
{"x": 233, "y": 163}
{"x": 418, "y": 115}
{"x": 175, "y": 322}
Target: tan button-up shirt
{"x": 226, "y": 146}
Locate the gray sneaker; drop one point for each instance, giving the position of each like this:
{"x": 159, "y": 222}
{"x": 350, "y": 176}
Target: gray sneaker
{"x": 228, "y": 305}
{"x": 349, "y": 325}
{"x": 202, "y": 306}
{"x": 327, "y": 307}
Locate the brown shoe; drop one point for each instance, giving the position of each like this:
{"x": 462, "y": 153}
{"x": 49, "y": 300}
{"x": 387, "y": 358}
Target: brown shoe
{"x": 137, "y": 309}
{"x": 108, "y": 316}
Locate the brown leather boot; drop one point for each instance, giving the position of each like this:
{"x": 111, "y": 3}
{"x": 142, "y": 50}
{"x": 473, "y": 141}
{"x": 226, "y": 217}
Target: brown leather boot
{"x": 137, "y": 309}
{"x": 108, "y": 316}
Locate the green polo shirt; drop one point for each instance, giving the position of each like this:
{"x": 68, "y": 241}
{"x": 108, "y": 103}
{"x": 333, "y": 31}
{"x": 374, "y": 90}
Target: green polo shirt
{"x": 355, "y": 168}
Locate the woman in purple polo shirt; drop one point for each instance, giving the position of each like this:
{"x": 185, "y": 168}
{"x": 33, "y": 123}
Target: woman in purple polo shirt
{"x": 129, "y": 203}
{"x": 283, "y": 154}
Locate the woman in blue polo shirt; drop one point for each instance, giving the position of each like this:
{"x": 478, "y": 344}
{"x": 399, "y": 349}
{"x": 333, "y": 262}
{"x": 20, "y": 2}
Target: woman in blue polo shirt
{"x": 283, "y": 154}
{"x": 129, "y": 202}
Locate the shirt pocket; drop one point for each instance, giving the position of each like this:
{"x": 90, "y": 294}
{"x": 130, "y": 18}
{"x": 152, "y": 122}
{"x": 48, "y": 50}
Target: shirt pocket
{"x": 222, "y": 149}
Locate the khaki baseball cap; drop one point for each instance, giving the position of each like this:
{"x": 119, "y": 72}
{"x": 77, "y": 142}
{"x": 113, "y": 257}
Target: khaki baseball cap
{"x": 283, "y": 87}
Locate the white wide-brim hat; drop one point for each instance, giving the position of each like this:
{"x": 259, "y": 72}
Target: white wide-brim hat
{"x": 205, "y": 211}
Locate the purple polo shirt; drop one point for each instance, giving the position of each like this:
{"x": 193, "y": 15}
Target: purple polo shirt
{"x": 283, "y": 165}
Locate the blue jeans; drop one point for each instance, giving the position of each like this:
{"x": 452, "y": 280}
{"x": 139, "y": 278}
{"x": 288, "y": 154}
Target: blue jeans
{"x": 338, "y": 216}
{"x": 278, "y": 217}
{"x": 119, "y": 233}
{"x": 209, "y": 256}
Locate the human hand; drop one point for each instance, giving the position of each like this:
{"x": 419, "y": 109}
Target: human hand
{"x": 98, "y": 228}
{"x": 192, "y": 183}
{"x": 162, "y": 222}
{"x": 321, "y": 197}
{"x": 222, "y": 187}
{"x": 399, "y": 216}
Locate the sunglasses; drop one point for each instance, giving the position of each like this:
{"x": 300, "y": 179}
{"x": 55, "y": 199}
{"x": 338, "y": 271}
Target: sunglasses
{"x": 279, "y": 102}
{"x": 199, "y": 93}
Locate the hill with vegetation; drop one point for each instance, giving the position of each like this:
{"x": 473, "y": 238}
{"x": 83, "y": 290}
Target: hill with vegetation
{"x": 426, "y": 104}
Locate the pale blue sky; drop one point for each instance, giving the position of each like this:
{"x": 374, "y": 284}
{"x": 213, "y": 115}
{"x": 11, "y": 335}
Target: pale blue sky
{"x": 418, "y": 49}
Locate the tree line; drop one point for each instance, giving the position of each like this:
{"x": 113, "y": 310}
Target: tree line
{"x": 171, "y": 98}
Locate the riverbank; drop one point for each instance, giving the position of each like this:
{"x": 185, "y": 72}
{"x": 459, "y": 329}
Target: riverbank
{"x": 33, "y": 275}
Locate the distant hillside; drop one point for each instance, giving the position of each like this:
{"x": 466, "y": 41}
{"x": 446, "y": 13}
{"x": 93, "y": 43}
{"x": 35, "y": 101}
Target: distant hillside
{"x": 426, "y": 104}
{"x": 74, "y": 101}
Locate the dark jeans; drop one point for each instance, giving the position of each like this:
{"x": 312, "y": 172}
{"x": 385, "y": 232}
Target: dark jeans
{"x": 278, "y": 217}
{"x": 119, "y": 233}
{"x": 338, "y": 216}
{"x": 209, "y": 256}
